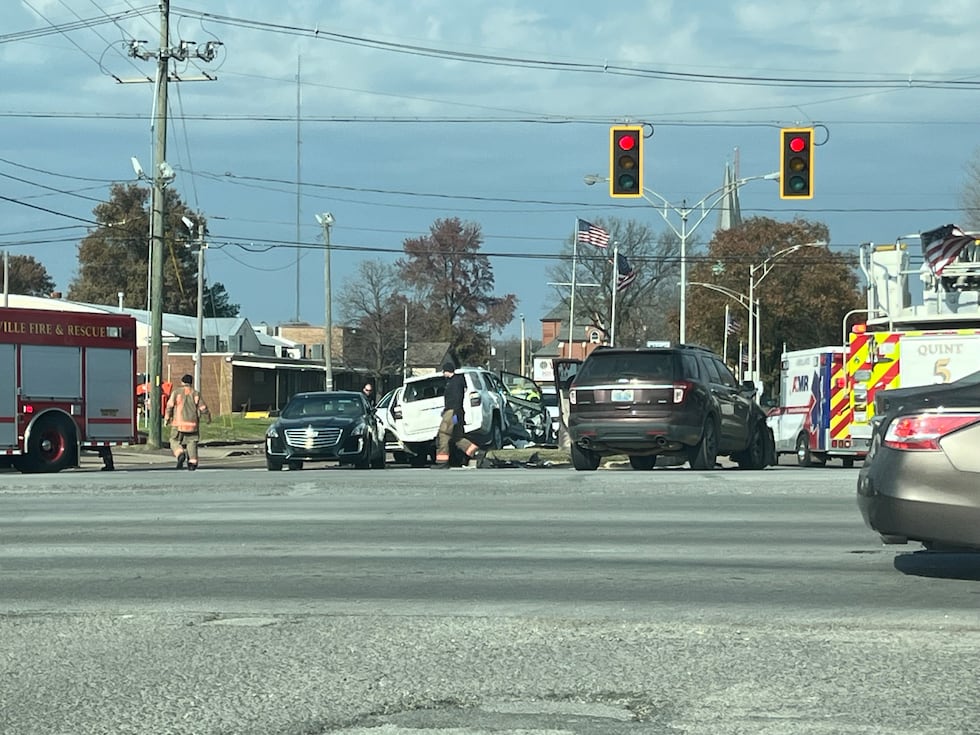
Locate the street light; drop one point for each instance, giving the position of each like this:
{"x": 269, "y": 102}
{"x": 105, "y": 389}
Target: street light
{"x": 201, "y": 247}
{"x": 766, "y": 267}
{"x": 705, "y": 206}
{"x": 325, "y": 220}
{"x": 741, "y": 299}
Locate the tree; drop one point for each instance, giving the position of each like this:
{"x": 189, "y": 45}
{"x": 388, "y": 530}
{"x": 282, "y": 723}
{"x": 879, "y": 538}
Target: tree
{"x": 373, "y": 305}
{"x": 970, "y": 195}
{"x": 454, "y": 284}
{"x": 27, "y": 276}
{"x": 644, "y": 310}
{"x": 217, "y": 303}
{"x": 803, "y": 299}
{"x": 114, "y": 257}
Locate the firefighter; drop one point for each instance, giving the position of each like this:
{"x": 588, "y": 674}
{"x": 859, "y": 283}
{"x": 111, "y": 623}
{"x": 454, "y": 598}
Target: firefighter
{"x": 184, "y": 410}
{"x": 453, "y": 418}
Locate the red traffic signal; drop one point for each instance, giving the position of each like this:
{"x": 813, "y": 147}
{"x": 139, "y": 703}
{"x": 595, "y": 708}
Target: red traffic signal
{"x": 796, "y": 163}
{"x": 626, "y": 161}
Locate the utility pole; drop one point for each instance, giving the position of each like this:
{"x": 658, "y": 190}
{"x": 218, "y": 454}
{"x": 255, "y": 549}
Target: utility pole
{"x": 325, "y": 220}
{"x": 162, "y": 175}
{"x": 155, "y": 420}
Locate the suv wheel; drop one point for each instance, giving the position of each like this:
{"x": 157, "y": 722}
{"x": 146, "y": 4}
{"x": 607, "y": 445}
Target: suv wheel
{"x": 496, "y": 435}
{"x": 643, "y": 463}
{"x": 583, "y": 459}
{"x": 754, "y": 456}
{"x": 704, "y": 455}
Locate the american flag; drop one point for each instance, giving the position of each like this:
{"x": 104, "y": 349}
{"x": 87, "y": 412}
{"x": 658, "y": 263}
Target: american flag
{"x": 626, "y": 275}
{"x": 733, "y": 326}
{"x": 941, "y": 246}
{"x": 592, "y": 234}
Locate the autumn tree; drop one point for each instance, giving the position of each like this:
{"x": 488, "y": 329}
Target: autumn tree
{"x": 27, "y": 276}
{"x": 644, "y": 310}
{"x": 114, "y": 257}
{"x": 454, "y": 285}
{"x": 372, "y": 303}
{"x": 803, "y": 297}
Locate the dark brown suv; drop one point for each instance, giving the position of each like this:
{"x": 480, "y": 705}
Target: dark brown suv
{"x": 673, "y": 400}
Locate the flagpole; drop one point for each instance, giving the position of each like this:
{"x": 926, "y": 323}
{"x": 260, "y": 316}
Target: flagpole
{"x": 727, "y": 325}
{"x": 615, "y": 288}
{"x": 571, "y": 306}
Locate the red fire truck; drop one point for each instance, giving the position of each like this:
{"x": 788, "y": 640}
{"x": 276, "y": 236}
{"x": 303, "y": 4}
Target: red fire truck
{"x": 67, "y": 385}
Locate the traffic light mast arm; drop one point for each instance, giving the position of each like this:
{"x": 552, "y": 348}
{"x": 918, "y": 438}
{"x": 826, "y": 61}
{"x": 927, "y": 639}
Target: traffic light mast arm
{"x": 662, "y": 205}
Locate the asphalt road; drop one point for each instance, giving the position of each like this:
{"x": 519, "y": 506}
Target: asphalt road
{"x": 238, "y": 601}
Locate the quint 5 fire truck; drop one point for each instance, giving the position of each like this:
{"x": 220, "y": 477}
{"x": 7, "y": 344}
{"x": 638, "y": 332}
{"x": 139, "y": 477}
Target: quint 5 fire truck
{"x": 67, "y": 384}
{"x": 908, "y": 341}
{"x": 827, "y": 393}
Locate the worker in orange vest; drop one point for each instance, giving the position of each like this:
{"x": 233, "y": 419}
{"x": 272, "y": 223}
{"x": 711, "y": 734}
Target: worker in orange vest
{"x": 184, "y": 410}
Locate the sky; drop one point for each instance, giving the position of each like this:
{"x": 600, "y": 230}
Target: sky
{"x": 392, "y": 114}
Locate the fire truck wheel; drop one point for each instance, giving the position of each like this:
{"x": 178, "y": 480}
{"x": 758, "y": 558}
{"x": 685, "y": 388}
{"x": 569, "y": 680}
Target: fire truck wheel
{"x": 52, "y": 446}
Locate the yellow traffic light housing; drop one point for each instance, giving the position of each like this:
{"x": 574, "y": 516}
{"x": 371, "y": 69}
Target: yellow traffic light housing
{"x": 796, "y": 163}
{"x": 626, "y": 161}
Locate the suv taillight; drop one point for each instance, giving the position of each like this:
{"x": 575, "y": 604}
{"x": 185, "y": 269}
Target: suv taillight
{"x": 922, "y": 432}
{"x": 681, "y": 387}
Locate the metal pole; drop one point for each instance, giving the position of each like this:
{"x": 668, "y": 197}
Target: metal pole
{"x": 615, "y": 284}
{"x": 724, "y": 349}
{"x": 752, "y": 325}
{"x": 683, "y": 319}
{"x": 326, "y": 220}
{"x": 757, "y": 374}
{"x": 571, "y": 306}
{"x": 299, "y": 187}
{"x": 154, "y": 417}
{"x": 200, "y": 307}
{"x": 523, "y": 351}
{"x": 405, "y": 347}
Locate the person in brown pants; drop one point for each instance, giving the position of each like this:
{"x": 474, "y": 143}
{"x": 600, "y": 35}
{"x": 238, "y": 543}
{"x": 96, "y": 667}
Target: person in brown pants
{"x": 184, "y": 410}
{"x": 453, "y": 418}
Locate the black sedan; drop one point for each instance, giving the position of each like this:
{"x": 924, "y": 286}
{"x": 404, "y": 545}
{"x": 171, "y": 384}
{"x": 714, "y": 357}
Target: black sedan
{"x": 329, "y": 426}
{"x": 921, "y": 479}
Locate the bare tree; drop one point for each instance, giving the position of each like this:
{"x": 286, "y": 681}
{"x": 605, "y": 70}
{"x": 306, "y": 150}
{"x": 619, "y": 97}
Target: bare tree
{"x": 970, "y": 195}
{"x": 646, "y": 308}
{"x": 372, "y": 304}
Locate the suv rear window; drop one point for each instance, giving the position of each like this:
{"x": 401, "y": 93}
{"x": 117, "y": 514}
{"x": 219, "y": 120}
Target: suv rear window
{"x": 420, "y": 390}
{"x": 612, "y": 367}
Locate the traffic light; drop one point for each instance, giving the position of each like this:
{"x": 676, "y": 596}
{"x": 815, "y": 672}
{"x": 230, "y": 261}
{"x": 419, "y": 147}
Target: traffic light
{"x": 796, "y": 163}
{"x": 626, "y": 161}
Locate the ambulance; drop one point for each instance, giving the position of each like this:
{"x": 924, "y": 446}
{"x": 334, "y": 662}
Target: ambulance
{"x": 813, "y": 418}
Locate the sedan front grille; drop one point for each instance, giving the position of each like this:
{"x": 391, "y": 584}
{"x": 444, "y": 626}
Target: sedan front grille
{"x": 310, "y": 438}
